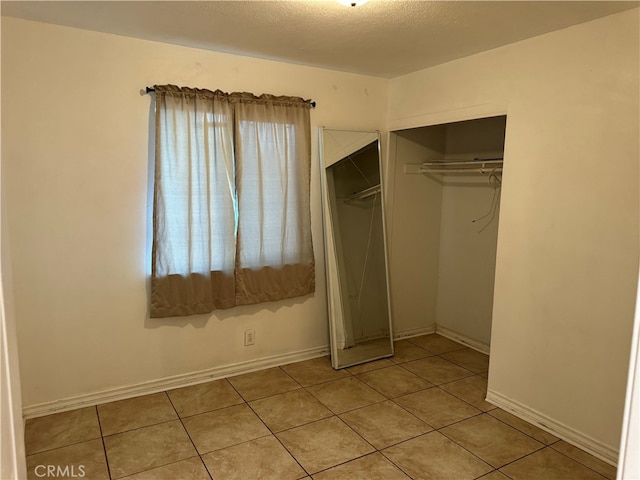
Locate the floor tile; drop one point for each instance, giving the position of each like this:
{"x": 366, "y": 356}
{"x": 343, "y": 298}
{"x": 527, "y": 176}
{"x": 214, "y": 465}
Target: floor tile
{"x": 345, "y": 394}
{"x": 387, "y": 405}
{"x": 324, "y": 444}
{"x": 367, "y": 367}
{"x": 84, "y": 459}
{"x": 393, "y": 381}
{"x": 495, "y": 475}
{"x": 123, "y": 415}
{"x": 370, "y": 467}
{"x": 385, "y": 424}
{"x": 146, "y": 448}
{"x": 548, "y": 464}
{"x": 224, "y": 428}
{"x": 445, "y": 460}
{"x": 203, "y": 397}
{"x": 405, "y": 351}
{"x": 435, "y": 343}
{"x": 588, "y": 460}
{"x": 189, "y": 469}
{"x": 524, "y": 427}
{"x": 290, "y": 409}
{"x": 469, "y": 358}
{"x": 263, "y": 383}
{"x": 437, "y": 370}
{"x": 472, "y": 390}
{"x": 264, "y": 458}
{"x": 61, "y": 429}
{"x": 314, "y": 371}
{"x": 436, "y": 407}
{"x": 491, "y": 440}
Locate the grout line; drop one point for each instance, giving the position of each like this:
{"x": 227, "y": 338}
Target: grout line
{"x": 140, "y": 428}
{"x": 395, "y": 464}
{"x": 291, "y": 376}
{"x": 62, "y": 446}
{"x": 273, "y": 434}
{"x": 104, "y": 446}
{"x": 516, "y": 428}
{"x": 188, "y": 436}
{"x": 511, "y": 478}
{"x": 524, "y": 456}
{"x": 578, "y": 461}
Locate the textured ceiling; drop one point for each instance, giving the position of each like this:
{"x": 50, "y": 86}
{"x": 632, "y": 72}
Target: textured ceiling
{"x": 385, "y": 38}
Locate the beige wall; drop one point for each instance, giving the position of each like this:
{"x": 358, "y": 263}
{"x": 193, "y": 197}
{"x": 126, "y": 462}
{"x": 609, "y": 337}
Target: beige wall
{"x": 76, "y": 177}
{"x": 568, "y": 236}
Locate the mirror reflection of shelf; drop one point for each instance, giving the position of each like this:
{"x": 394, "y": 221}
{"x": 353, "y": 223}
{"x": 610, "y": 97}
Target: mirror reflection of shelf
{"x": 366, "y": 193}
{"x": 442, "y": 167}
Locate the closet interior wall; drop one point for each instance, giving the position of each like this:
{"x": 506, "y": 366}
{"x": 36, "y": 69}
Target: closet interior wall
{"x": 445, "y": 227}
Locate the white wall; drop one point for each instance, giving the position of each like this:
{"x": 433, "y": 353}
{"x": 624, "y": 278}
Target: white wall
{"x": 12, "y": 453}
{"x": 414, "y": 226}
{"x": 468, "y": 250}
{"x": 568, "y": 234}
{"x": 76, "y": 165}
{"x": 629, "y": 462}
{"x": 75, "y": 161}
{"x": 466, "y": 268}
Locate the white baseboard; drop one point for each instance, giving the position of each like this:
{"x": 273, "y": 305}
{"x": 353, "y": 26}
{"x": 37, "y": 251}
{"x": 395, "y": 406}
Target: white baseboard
{"x": 458, "y": 337}
{"x": 414, "y": 332}
{"x": 559, "y": 429}
{"x": 168, "y": 383}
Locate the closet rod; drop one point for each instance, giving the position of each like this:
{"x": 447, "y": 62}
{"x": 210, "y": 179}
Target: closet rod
{"x": 366, "y": 193}
{"x": 444, "y": 171}
{"x": 465, "y": 163}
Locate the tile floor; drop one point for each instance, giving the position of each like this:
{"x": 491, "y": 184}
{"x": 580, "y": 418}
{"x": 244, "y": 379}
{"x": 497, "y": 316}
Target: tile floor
{"x": 418, "y": 415}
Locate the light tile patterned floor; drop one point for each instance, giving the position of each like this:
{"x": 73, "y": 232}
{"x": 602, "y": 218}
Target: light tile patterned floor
{"x": 418, "y": 415}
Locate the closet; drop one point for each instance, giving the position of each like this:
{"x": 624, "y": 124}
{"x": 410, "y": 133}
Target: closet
{"x": 447, "y": 181}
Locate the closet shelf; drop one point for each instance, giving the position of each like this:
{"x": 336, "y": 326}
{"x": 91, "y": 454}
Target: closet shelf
{"x": 366, "y": 193}
{"x": 444, "y": 167}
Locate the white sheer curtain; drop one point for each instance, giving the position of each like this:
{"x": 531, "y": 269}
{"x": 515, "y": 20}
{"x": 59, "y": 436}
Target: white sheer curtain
{"x": 231, "y": 201}
{"x": 275, "y": 253}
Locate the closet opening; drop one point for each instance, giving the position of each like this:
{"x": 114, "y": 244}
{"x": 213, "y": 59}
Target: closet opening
{"x": 447, "y": 183}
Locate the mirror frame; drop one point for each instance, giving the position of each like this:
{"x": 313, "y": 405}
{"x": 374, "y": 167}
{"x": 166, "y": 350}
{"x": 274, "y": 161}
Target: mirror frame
{"x": 335, "y": 303}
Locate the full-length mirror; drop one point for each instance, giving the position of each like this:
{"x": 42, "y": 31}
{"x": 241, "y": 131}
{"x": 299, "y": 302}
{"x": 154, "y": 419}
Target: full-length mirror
{"x": 357, "y": 285}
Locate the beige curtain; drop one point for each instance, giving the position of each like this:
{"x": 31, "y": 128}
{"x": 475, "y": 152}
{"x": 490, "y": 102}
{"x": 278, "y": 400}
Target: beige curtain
{"x": 231, "y": 201}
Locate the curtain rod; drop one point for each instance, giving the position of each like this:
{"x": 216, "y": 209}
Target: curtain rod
{"x": 151, "y": 89}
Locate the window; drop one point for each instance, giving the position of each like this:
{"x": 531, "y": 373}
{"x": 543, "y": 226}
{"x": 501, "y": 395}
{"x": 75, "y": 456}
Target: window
{"x": 231, "y": 201}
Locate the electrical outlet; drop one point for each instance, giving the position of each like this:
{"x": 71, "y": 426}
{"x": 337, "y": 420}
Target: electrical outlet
{"x": 249, "y": 337}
